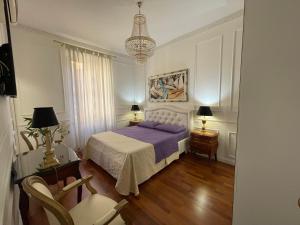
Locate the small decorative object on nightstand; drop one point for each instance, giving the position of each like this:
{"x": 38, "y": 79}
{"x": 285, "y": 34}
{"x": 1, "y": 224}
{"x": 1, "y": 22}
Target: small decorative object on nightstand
{"x": 134, "y": 122}
{"x": 203, "y": 112}
{"x": 204, "y": 142}
{"x": 135, "y": 108}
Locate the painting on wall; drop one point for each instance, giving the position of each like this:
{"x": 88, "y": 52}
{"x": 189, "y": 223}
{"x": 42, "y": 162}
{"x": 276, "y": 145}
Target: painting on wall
{"x": 169, "y": 87}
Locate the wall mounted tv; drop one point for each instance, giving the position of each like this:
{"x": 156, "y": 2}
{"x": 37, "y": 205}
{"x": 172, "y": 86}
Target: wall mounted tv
{"x": 7, "y": 71}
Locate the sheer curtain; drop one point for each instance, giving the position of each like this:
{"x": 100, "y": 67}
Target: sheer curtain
{"x": 88, "y": 90}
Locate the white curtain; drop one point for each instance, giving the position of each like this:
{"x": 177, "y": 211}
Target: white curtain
{"x": 88, "y": 90}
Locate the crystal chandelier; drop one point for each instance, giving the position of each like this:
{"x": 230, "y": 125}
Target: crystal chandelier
{"x": 140, "y": 44}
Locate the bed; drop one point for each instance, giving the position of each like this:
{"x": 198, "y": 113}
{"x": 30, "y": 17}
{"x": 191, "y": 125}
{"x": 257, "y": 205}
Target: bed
{"x": 134, "y": 154}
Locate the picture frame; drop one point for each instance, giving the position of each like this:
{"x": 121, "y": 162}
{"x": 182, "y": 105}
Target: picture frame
{"x": 169, "y": 87}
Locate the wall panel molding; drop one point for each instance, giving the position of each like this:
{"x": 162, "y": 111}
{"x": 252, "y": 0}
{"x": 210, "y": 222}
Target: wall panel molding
{"x": 220, "y": 72}
{"x": 231, "y": 137}
{"x": 208, "y": 66}
{"x": 235, "y": 70}
{"x": 232, "y": 69}
{"x": 196, "y": 120}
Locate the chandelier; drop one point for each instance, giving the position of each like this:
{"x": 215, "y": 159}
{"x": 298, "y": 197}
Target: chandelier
{"x": 140, "y": 44}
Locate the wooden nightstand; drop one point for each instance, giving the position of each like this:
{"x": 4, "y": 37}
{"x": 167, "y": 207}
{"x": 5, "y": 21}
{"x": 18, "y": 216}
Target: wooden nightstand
{"x": 134, "y": 122}
{"x": 204, "y": 142}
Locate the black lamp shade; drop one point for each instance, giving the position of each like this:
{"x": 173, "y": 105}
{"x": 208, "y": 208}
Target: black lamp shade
{"x": 44, "y": 117}
{"x": 204, "y": 111}
{"x": 135, "y": 108}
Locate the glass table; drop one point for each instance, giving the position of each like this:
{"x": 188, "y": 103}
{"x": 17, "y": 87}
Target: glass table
{"x": 28, "y": 164}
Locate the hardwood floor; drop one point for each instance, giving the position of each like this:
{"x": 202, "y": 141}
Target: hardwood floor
{"x": 190, "y": 191}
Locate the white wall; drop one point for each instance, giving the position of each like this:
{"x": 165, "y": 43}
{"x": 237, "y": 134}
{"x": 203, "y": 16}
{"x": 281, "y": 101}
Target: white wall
{"x": 6, "y": 157}
{"x": 6, "y": 147}
{"x": 212, "y": 55}
{"x": 39, "y": 79}
{"x": 267, "y": 171}
{"x": 124, "y": 90}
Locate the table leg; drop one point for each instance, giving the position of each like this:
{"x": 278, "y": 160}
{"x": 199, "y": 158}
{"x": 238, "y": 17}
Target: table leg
{"x": 23, "y": 205}
{"x": 79, "y": 190}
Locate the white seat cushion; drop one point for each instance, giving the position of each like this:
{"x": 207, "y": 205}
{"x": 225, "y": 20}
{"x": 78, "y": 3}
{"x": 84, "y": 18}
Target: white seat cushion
{"x": 92, "y": 208}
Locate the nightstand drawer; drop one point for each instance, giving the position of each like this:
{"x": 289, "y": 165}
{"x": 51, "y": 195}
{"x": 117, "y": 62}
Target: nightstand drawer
{"x": 201, "y": 150}
{"x": 204, "y": 140}
{"x": 202, "y": 145}
{"x": 134, "y": 122}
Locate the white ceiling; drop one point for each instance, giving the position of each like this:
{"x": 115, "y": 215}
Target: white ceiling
{"x": 107, "y": 23}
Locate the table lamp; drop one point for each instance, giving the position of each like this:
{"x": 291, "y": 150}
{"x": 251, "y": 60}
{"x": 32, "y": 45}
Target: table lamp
{"x": 204, "y": 111}
{"x": 44, "y": 117}
{"x": 135, "y": 108}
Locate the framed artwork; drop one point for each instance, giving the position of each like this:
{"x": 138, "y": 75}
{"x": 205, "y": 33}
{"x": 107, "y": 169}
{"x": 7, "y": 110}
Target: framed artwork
{"x": 169, "y": 87}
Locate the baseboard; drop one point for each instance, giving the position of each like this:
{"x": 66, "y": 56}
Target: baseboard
{"x": 227, "y": 160}
{"x": 222, "y": 159}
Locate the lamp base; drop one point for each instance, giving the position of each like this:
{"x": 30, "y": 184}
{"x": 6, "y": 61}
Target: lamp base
{"x": 49, "y": 159}
{"x": 203, "y": 125}
{"x": 135, "y": 118}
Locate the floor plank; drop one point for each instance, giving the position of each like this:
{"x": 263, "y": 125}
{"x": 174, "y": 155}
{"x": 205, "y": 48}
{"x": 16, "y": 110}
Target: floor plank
{"x": 190, "y": 191}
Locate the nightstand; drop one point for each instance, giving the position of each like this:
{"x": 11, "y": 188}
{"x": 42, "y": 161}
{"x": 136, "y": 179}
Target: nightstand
{"x": 134, "y": 122}
{"x": 204, "y": 142}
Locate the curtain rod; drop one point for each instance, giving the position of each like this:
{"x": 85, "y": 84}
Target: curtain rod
{"x": 81, "y": 47}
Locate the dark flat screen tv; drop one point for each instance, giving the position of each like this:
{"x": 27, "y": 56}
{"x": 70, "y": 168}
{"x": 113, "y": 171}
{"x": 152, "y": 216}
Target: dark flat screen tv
{"x": 7, "y": 70}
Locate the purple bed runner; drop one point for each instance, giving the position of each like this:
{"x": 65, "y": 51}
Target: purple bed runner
{"x": 164, "y": 143}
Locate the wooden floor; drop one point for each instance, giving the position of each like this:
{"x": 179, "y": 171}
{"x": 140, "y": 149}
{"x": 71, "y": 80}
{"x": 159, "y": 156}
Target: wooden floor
{"x": 190, "y": 191}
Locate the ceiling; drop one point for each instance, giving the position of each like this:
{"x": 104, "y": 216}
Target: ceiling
{"x": 107, "y": 23}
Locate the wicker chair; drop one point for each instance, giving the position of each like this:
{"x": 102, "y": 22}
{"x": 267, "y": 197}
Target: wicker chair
{"x": 93, "y": 210}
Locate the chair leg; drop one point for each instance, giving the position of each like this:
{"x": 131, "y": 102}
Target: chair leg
{"x": 79, "y": 190}
{"x": 23, "y": 205}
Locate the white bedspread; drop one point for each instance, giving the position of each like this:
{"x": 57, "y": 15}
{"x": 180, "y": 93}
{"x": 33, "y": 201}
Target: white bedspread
{"x": 128, "y": 160}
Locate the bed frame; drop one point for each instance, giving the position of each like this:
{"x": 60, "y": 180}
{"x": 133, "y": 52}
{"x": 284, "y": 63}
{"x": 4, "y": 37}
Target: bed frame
{"x": 171, "y": 115}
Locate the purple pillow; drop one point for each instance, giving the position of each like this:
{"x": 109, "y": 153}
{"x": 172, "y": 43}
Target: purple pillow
{"x": 170, "y": 128}
{"x": 148, "y": 124}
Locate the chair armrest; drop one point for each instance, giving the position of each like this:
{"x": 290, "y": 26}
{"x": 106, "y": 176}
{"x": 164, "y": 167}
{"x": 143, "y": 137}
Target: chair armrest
{"x": 108, "y": 217}
{"x": 75, "y": 184}
{"x": 111, "y": 214}
{"x": 120, "y": 205}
